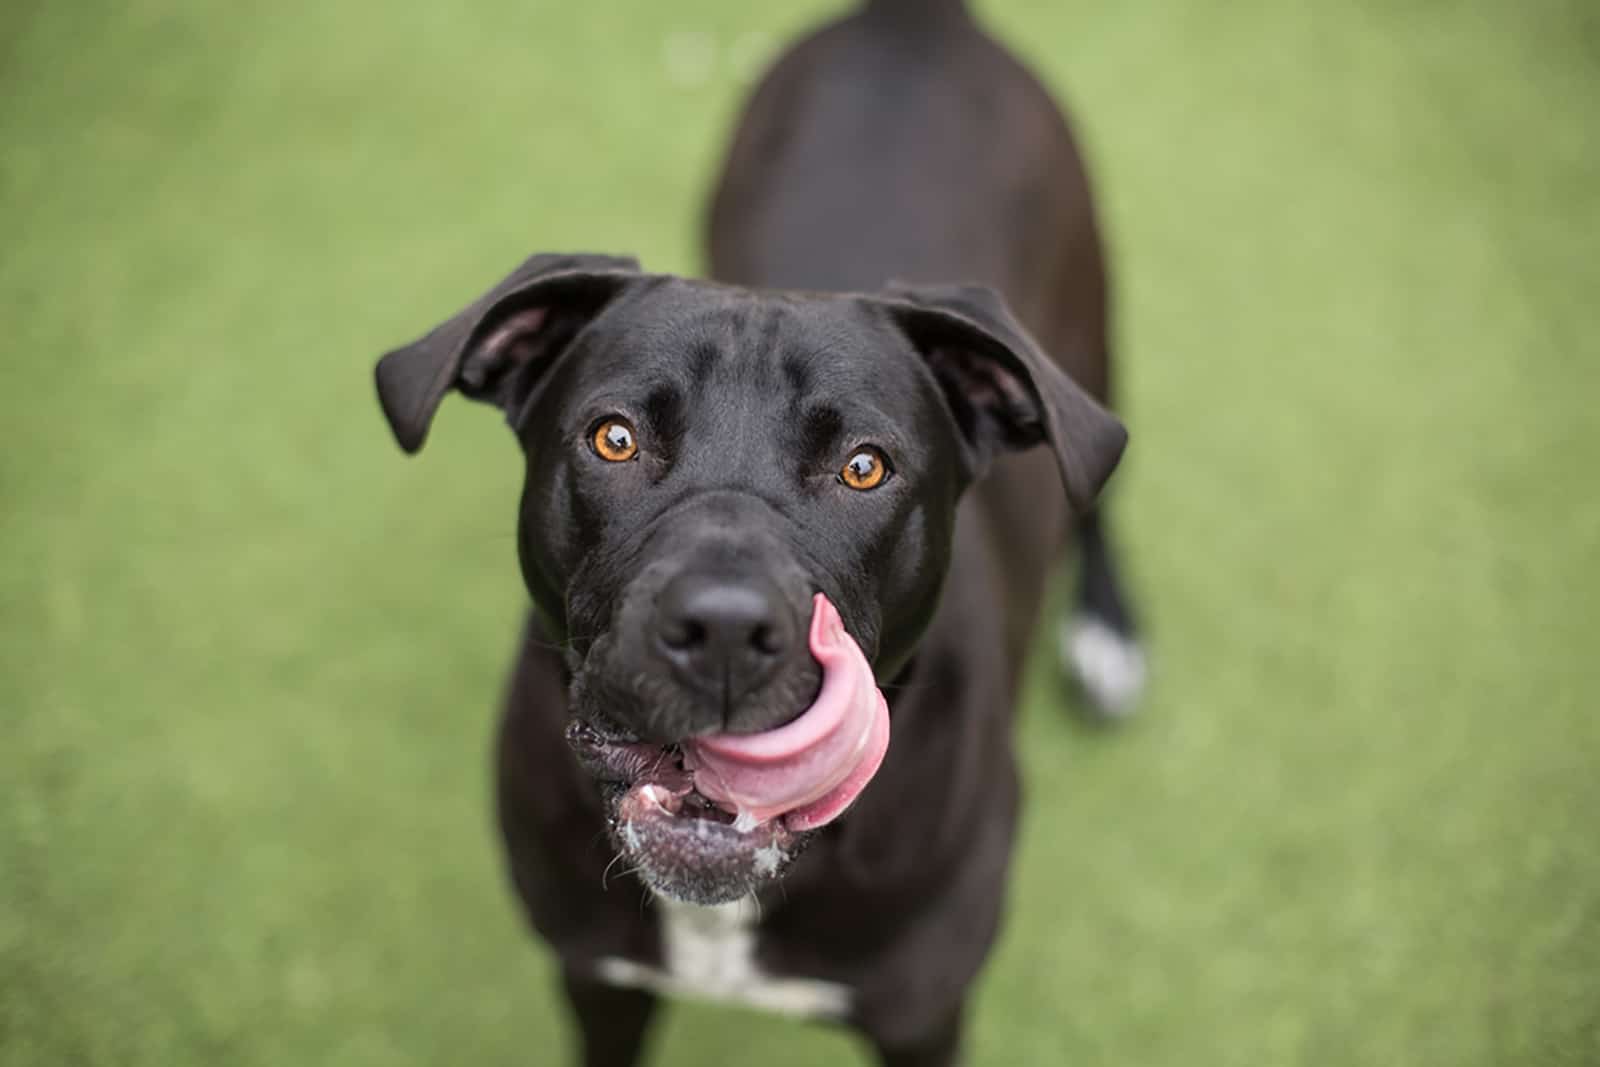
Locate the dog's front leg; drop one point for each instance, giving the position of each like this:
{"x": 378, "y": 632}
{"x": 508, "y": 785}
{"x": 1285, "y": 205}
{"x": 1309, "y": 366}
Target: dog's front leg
{"x": 939, "y": 1047}
{"x": 611, "y": 1021}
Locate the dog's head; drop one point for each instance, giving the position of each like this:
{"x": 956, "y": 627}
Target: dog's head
{"x": 737, "y": 512}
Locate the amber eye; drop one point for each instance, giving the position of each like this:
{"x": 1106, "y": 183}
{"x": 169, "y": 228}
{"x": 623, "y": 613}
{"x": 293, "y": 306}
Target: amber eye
{"x": 613, "y": 440}
{"x": 867, "y": 469}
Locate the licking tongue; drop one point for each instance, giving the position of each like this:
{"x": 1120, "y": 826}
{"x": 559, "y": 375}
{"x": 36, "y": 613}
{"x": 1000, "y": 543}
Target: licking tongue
{"x": 811, "y": 769}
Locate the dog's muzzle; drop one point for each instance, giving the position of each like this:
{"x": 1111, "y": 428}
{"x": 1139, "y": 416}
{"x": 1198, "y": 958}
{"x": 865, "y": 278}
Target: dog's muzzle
{"x": 707, "y": 819}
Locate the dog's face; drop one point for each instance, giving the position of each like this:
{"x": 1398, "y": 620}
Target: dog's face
{"x": 711, "y": 474}
{"x": 702, "y": 462}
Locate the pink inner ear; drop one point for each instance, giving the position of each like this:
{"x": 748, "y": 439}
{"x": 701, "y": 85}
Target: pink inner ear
{"x": 510, "y": 340}
{"x": 985, "y": 383}
{"x": 508, "y": 347}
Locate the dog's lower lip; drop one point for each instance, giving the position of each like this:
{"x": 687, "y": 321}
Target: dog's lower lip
{"x": 677, "y": 841}
{"x": 612, "y": 758}
{"x": 600, "y": 733}
{"x": 656, "y": 771}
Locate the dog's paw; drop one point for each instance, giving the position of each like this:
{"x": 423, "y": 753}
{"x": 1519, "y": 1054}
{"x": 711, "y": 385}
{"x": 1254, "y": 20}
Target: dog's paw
{"x": 1108, "y": 667}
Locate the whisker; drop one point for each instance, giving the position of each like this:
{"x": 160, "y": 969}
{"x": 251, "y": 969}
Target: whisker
{"x": 605, "y": 875}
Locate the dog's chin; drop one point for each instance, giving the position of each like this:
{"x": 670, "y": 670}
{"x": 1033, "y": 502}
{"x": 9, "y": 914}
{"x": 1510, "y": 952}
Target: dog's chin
{"x": 684, "y": 848}
{"x": 677, "y": 842}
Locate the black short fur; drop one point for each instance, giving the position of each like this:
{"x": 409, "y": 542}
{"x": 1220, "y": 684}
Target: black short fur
{"x": 900, "y": 143}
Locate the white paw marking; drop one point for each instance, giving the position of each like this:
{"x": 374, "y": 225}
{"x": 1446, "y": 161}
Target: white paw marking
{"x": 1110, "y": 667}
{"x": 710, "y": 954}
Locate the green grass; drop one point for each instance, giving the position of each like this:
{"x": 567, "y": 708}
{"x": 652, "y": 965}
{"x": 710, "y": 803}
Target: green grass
{"x": 249, "y": 655}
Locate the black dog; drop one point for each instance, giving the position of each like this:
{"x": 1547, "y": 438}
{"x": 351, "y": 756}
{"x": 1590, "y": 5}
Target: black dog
{"x": 746, "y": 509}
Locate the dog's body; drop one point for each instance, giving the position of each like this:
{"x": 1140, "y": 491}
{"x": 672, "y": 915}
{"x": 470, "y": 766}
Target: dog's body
{"x": 898, "y": 143}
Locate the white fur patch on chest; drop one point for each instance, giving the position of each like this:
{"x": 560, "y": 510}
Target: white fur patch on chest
{"x": 710, "y": 954}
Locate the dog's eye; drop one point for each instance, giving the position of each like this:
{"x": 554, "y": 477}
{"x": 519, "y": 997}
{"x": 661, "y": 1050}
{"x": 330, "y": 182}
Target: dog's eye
{"x": 613, "y": 440}
{"x": 867, "y": 469}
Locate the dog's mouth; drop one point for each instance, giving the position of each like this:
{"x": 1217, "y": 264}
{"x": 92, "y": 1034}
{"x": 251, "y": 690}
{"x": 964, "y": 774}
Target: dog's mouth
{"x": 709, "y": 819}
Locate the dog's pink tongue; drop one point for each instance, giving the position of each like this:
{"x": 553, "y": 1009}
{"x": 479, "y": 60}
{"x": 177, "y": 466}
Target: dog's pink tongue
{"x": 811, "y": 769}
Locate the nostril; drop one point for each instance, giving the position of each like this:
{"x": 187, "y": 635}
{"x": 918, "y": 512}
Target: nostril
{"x": 765, "y": 639}
{"x": 683, "y": 634}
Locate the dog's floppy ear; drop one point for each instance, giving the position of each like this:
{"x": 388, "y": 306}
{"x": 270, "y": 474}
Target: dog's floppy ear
{"x": 495, "y": 348}
{"x": 1004, "y": 392}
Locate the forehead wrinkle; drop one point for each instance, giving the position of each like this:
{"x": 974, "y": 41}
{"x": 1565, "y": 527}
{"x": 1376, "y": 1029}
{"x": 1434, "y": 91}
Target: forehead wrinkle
{"x": 797, "y": 375}
{"x": 735, "y": 344}
{"x": 819, "y": 429}
{"x": 810, "y": 365}
{"x": 769, "y": 331}
{"x": 730, "y": 349}
{"x": 759, "y": 345}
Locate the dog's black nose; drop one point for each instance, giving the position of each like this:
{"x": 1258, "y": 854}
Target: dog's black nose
{"x": 724, "y": 635}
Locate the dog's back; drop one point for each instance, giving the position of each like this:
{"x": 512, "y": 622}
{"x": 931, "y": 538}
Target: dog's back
{"x": 903, "y": 142}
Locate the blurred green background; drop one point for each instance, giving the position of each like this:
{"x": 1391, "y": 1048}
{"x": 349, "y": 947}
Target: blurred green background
{"x": 249, "y": 655}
